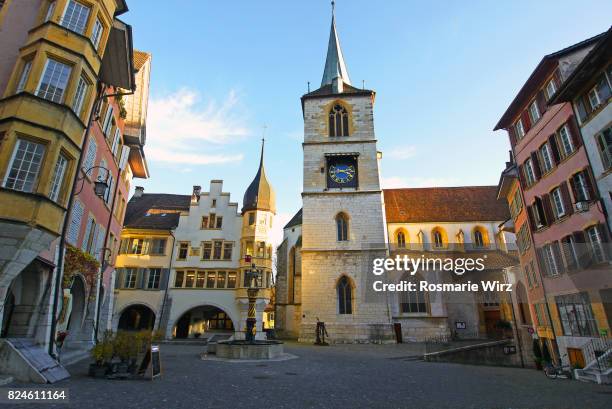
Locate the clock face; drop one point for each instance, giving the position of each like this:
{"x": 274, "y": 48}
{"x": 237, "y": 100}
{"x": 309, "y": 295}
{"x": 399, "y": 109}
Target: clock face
{"x": 342, "y": 173}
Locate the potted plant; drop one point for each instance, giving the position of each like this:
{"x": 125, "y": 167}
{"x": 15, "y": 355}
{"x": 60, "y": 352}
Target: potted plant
{"x": 98, "y": 368}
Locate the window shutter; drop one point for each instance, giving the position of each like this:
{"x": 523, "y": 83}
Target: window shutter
{"x": 552, "y": 142}
{"x": 588, "y": 177}
{"x": 557, "y": 78}
{"x": 526, "y": 121}
{"x": 536, "y": 165}
{"x": 582, "y": 249}
{"x": 567, "y": 253}
{"x": 140, "y": 275}
{"x": 123, "y": 246}
{"x": 548, "y": 213}
{"x": 99, "y": 247}
{"x": 575, "y": 131}
{"x": 145, "y": 277}
{"x": 541, "y": 259}
{"x": 90, "y": 158}
{"x": 512, "y": 135}
{"x": 559, "y": 260}
{"x": 605, "y": 240}
{"x": 541, "y": 102}
{"x": 75, "y": 223}
{"x": 567, "y": 201}
{"x": 118, "y": 278}
{"x": 531, "y": 217}
{"x": 164, "y": 278}
{"x": 522, "y": 179}
{"x": 146, "y": 246}
{"x": 87, "y": 234}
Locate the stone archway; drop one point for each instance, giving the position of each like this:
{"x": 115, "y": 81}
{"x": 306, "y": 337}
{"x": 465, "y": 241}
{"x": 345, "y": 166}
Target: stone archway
{"x": 77, "y": 310}
{"x": 136, "y": 317}
{"x": 202, "y": 320}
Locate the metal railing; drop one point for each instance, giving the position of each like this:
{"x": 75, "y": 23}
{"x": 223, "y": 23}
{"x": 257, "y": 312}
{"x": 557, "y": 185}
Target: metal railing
{"x": 599, "y": 350}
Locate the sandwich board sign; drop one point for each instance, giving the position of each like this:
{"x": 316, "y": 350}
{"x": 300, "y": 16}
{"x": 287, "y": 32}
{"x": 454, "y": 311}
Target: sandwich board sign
{"x": 151, "y": 364}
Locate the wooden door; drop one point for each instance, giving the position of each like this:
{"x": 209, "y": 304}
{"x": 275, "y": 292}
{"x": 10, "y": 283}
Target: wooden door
{"x": 576, "y": 357}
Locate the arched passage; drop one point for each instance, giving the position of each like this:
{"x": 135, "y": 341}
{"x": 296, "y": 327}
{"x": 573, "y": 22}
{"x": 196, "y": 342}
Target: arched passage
{"x": 136, "y": 317}
{"x": 202, "y": 320}
{"x": 77, "y": 293}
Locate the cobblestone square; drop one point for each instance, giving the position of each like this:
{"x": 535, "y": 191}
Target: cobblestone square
{"x": 358, "y": 376}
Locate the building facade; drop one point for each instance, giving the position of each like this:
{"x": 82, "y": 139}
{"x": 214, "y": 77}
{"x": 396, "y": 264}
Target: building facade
{"x": 183, "y": 261}
{"x": 568, "y": 226}
{"x": 54, "y": 64}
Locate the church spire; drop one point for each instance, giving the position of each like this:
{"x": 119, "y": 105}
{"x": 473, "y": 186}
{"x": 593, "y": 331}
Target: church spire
{"x": 260, "y": 194}
{"x": 335, "y": 72}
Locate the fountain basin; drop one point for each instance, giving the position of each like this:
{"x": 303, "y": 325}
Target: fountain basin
{"x": 239, "y": 349}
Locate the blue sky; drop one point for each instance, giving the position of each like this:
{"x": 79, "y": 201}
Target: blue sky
{"x": 444, "y": 73}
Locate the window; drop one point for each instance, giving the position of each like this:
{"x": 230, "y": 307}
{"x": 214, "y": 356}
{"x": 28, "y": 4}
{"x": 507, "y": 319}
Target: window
{"x": 516, "y": 204}
{"x": 90, "y": 158}
{"x": 219, "y": 222}
{"x": 227, "y": 251}
{"x": 550, "y": 260}
{"x": 58, "y": 177}
{"x": 557, "y": 199}
{"x": 183, "y": 249}
{"x": 96, "y": 34}
{"x": 251, "y": 219}
{"x": 345, "y": 296}
{"x": 207, "y": 250}
{"x": 200, "y": 279}
{"x": 568, "y": 245}
{"x": 550, "y": 89}
{"x": 211, "y": 221}
{"x": 204, "y": 224}
{"x": 54, "y": 80}
{"x": 594, "y": 98}
{"x": 107, "y": 124}
{"x": 338, "y": 121}
{"x": 523, "y": 239}
{"x": 342, "y": 227}
{"x": 116, "y": 142}
{"x": 75, "y": 222}
{"x": 178, "y": 279}
{"x": 50, "y": 11}
{"x": 211, "y": 278}
{"x": 401, "y": 240}
{"x": 528, "y": 276}
{"x": 25, "y": 166}
{"x": 438, "y": 238}
{"x": 217, "y": 250}
{"x": 411, "y": 302}
{"x": 546, "y": 158}
{"x": 189, "y": 279}
{"x": 534, "y": 112}
{"x": 596, "y": 242}
{"x": 478, "y": 239}
{"x": 79, "y": 96}
{"x": 75, "y": 17}
{"x": 519, "y": 129}
{"x": 576, "y": 315}
{"x": 214, "y": 203}
{"x": 541, "y": 315}
{"x": 136, "y": 246}
{"x": 158, "y": 247}
{"x": 130, "y": 277}
{"x": 25, "y": 73}
{"x": 581, "y": 187}
{"x": 529, "y": 173}
{"x": 231, "y": 279}
{"x": 194, "y": 251}
{"x": 221, "y": 275}
{"x": 154, "y": 277}
{"x": 566, "y": 141}
{"x": 261, "y": 249}
{"x": 604, "y": 143}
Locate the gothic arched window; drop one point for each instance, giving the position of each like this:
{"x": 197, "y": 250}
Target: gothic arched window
{"x": 338, "y": 121}
{"x": 412, "y": 301}
{"x": 438, "y": 238}
{"x": 478, "y": 240}
{"x": 401, "y": 240}
{"x": 342, "y": 227}
{"x": 345, "y": 296}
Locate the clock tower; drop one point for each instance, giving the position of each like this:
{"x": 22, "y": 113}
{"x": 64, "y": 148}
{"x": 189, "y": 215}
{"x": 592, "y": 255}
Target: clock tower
{"x": 343, "y": 211}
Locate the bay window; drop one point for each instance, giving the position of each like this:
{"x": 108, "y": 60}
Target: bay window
{"x": 75, "y": 17}
{"x": 54, "y": 81}
{"x": 25, "y": 166}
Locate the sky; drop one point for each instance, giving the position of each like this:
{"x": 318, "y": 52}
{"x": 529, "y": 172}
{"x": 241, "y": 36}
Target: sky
{"x": 225, "y": 72}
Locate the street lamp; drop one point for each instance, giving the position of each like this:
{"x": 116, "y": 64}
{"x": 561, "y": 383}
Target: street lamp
{"x": 100, "y": 185}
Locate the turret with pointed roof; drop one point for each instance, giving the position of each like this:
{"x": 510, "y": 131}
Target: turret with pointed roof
{"x": 260, "y": 194}
{"x": 335, "y": 71}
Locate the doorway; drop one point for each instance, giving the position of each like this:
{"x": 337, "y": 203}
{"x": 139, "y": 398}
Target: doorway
{"x": 182, "y": 326}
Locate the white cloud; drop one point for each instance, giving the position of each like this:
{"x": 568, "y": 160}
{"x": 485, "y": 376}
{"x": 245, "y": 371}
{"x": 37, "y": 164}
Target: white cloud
{"x": 179, "y": 127}
{"x": 402, "y": 152}
{"x": 394, "y": 182}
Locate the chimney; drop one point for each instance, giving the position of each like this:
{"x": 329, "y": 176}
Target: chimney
{"x": 138, "y": 192}
{"x": 195, "y": 196}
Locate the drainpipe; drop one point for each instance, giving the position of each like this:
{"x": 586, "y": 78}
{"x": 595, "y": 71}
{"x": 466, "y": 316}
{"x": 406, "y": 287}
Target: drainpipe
{"x": 518, "y": 335}
{"x": 163, "y": 307}
{"x": 62, "y": 243}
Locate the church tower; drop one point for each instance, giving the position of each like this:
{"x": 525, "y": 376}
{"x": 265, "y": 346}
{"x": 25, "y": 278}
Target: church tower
{"x": 258, "y": 210}
{"x": 343, "y": 211}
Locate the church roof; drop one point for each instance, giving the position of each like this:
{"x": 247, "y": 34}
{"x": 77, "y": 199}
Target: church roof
{"x": 335, "y": 66}
{"x": 296, "y": 220}
{"x": 445, "y": 204}
{"x": 260, "y": 194}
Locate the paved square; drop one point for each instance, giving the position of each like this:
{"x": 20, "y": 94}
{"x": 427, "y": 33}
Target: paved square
{"x": 357, "y": 376}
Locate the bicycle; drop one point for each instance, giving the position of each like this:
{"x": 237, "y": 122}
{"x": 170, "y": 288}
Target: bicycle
{"x": 553, "y": 371}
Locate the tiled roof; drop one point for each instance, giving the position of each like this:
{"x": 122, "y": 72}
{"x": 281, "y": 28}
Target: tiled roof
{"x": 296, "y": 220}
{"x": 445, "y": 204}
{"x": 158, "y": 211}
{"x": 140, "y": 58}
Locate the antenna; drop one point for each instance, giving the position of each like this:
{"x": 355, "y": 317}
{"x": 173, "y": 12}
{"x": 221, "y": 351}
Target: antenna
{"x": 362, "y": 84}
{"x": 308, "y": 86}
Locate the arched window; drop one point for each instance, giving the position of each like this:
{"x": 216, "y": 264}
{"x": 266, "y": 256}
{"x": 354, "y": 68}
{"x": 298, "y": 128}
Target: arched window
{"x": 412, "y": 301}
{"x": 338, "y": 121}
{"x": 345, "y": 296}
{"x": 342, "y": 227}
{"x": 438, "y": 238}
{"x": 478, "y": 239}
{"x": 401, "y": 240}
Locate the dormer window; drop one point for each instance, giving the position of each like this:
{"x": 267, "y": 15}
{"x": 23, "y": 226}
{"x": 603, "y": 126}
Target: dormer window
{"x": 338, "y": 121}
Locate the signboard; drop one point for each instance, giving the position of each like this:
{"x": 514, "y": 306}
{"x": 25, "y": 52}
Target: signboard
{"x": 530, "y": 330}
{"x": 151, "y": 363}
{"x": 510, "y": 349}
{"x": 460, "y": 325}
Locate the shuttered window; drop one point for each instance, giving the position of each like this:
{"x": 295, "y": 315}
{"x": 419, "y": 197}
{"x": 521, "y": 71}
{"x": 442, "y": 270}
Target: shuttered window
{"x": 90, "y": 157}
{"x": 75, "y": 223}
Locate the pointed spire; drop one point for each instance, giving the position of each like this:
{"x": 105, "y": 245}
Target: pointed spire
{"x": 260, "y": 194}
{"x": 335, "y": 68}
